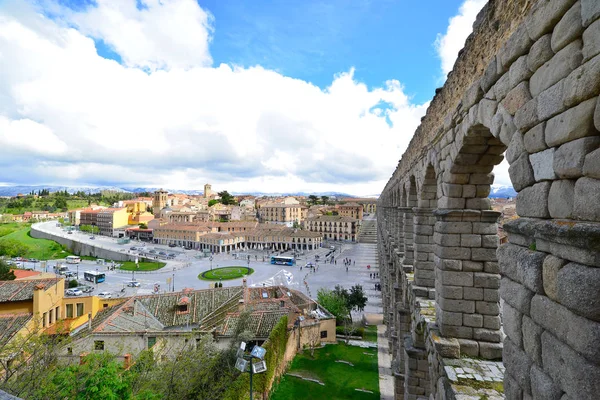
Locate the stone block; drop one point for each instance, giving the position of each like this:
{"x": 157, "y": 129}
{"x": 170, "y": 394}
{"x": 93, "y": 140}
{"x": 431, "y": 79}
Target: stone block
{"x": 472, "y": 266}
{"x": 518, "y": 73}
{"x": 532, "y": 342}
{"x": 491, "y": 322}
{"x": 533, "y": 201}
{"x": 469, "y": 191}
{"x": 512, "y": 324}
{"x": 568, "y": 28}
{"x": 449, "y": 292}
{"x": 490, "y": 75}
{"x": 516, "y": 147}
{"x": 517, "y": 97}
{"x": 502, "y": 86}
{"x": 485, "y": 111}
{"x": 557, "y": 68}
{"x": 473, "y": 320}
{"x": 490, "y": 241}
{"x": 472, "y": 293}
{"x": 543, "y": 165}
{"x": 521, "y": 173}
{"x": 478, "y": 204}
{"x": 517, "y": 364}
{"x": 487, "y": 308}
{"x": 590, "y": 11}
{"x": 529, "y": 270}
{"x": 484, "y": 228}
{"x": 582, "y": 334}
{"x": 579, "y": 378}
{"x": 453, "y": 227}
{"x": 578, "y": 289}
{"x": 483, "y": 254}
{"x": 551, "y": 101}
{"x": 583, "y": 208}
{"x": 485, "y": 280}
{"x": 591, "y": 164}
{"x": 451, "y": 202}
{"x": 591, "y": 41}
{"x": 449, "y": 318}
{"x": 452, "y": 190}
{"x": 511, "y": 388}
{"x": 490, "y": 351}
{"x": 469, "y": 348}
{"x": 445, "y": 346}
{"x": 464, "y": 332}
{"x": 542, "y": 386}
{"x": 481, "y": 179}
{"x": 470, "y": 240}
{"x": 447, "y": 239}
{"x": 456, "y": 253}
{"x": 516, "y": 45}
{"x": 456, "y": 278}
{"x": 551, "y": 267}
{"x": 487, "y": 335}
{"x": 526, "y": 117}
{"x": 582, "y": 83}
{"x": 540, "y": 52}
{"x": 534, "y": 139}
{"x": 570, "y": 157}
{"x": 575, "y": 123}
{"x": 508, "y": 256}
{"x": 491, "y": 267}
{"x": 516, "y": 295}
{"x": 560, "y": 199}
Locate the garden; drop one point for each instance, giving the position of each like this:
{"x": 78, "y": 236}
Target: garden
{"x": 225, "y": 273}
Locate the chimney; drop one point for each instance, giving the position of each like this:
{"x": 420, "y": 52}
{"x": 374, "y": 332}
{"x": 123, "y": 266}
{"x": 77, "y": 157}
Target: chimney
{"x": 135, "y": 307}
{"x": 246, "y": 292}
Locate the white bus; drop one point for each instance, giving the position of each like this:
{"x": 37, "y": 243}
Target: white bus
{"x": 73, "y": 259}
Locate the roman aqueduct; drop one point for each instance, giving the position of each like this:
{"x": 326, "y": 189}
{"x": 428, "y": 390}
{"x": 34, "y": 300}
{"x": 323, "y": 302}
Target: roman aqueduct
{"x": 464, "y": 313}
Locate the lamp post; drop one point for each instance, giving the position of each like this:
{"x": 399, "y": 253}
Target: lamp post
{"x": 245, "y": 359}
{"x": 211, "y": 262}
{"x": 173, "y": 278}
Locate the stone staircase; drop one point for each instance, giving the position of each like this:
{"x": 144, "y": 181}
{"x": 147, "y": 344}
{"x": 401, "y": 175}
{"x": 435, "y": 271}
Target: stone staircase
{"x": 368, "y": 231}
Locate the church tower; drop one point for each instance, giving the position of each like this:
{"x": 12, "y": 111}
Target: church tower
{"x": 159, "y": 202}
{"x": 207, "y": 191}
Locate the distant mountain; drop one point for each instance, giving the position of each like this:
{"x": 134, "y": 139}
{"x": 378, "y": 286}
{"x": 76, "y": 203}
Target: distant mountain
{"x": 498, "y": 191}
{"x": 23, "y": 189}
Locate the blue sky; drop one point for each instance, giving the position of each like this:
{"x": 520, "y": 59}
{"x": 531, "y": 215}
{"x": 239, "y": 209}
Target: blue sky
{"x": 266, "y": 95}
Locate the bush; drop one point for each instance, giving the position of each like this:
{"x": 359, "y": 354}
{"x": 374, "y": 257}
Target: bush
{"x": 353, "y": 331}
{"x": 73, "y": 283}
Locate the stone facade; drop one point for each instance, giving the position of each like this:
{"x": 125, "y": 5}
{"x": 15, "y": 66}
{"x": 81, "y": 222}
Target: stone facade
{"x": 524, "y": 88}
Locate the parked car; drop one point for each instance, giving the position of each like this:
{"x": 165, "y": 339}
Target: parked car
{"x": 74, "y": 292}
{"x": 105, "y": 295}
{"x": 152, "y": 252}
{"x": 162, "y": 253}
{"x": 172, "y": 255}
{"x": 92, "y": 237}
{"x": 172, "y": 245}
{"x": 332, "y": 247}
{"x": 86, "y": 288}
{"x": 133, "y": 284}
{"x": 70, "y": 232}
{"x": 133, "y": 248}
{"x": 69, "y": 274}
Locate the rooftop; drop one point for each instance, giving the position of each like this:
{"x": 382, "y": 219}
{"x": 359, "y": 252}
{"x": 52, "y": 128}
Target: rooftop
{"x": 23, "y": 290}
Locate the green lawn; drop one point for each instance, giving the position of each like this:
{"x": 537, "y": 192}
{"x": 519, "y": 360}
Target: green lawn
{"x": 143, "y": 266}
{"x": 340, "y": 379}
{"x": 370, "y": 334}
{"x": 41, "y": 249}
{"x": 225, "y": 273}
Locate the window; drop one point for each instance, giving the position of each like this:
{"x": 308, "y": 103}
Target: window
{"x": 323, "y": 334}
{"x": 51, "y": 316}
{"x": 99, "y": 345}
{"x": 57, "y": 313}
{"x": 44, "y": 318}
{"x": 69, "y": 310}
{"x": 79, "y": 309}
{"x": 151, "y": 341}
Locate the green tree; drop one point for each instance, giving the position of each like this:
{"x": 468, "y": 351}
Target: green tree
{"x": 6, "y": 274}
{"x": 357, "y": 300}
{"x": 212, "y": 202}
{"x": 312, "y": 199}
{"x": 334, "y": 302}
{"x": 226, "y": 198}
{"x": 325, "y": 200}
{"x": 12, "y": 248}
{"x": 143, "y": 226}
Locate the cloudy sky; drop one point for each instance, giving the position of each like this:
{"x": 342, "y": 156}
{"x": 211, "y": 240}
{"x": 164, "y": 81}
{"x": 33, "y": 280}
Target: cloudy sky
{"x": 250, "y": 95}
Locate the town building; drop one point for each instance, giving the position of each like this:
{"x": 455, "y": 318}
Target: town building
{"x": 207, "y": 191}
{"x": 335, "y": 227}
{"x": 351, "y": 210}
{"x": 160, "y": 201}
{"x": 284, "y": 214}
{"x": 110, "y": 219}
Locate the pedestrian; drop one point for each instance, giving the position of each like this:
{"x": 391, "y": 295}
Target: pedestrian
{"x": 354, "y": 262}
{"x": 346, "y": 269}
{"x": 335, "y": 262}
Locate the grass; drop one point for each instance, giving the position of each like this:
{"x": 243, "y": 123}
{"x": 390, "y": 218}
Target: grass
{"x": 143, "y": 266}
{"x": 370, "y": 333}
{"x": 225, "y": 273}
{"x": 340, "y": 379}
{"x": 41, "y": 249}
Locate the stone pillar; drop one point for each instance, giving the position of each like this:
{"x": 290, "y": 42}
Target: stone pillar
{"x": 467, "y": 280}
{"x": 408, "y": 236}
{"x": 424, "y": 266}
{"x": 416, "y": 376}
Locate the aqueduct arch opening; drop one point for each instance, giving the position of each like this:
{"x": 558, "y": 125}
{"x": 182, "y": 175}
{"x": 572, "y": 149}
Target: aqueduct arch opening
{"x": 526, "y": 86}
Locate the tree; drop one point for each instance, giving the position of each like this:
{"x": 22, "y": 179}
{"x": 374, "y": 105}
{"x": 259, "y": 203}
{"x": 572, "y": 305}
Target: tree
{"x": 212, "y": 202}
{"x": 312, "y": 199}
{"x": 143, "y": 226}
{"x": 334, "y": 302}
{"x": 12, "y": 248}
{"x": 6, "y": 274}
{"x": 357, "y": 300}
{"x": 325, "y": 199}
{"x": 226, "y": 198}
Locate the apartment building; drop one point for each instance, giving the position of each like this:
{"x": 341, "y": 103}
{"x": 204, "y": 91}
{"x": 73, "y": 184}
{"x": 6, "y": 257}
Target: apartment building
{"x": 335, "y": 227}
{"x": 351, "y": 210}
{"x": 284, "y": 214}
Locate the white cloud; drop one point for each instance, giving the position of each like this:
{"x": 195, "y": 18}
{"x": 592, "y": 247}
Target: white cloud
{"x": 159, "y": 34}
{"x": 243, "y": 129}
{"x": 459, "y": 28}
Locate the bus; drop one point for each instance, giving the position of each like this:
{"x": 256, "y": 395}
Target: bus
{"x": 94, "y": 276}
{"x": 73, "y": 259}
{"x": 281, "y": 260}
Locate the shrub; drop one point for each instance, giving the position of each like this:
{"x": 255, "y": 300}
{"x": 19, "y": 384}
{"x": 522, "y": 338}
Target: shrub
{"x": 73, "y": 283}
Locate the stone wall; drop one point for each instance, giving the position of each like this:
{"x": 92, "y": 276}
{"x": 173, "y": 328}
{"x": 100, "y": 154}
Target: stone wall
{"x": 525, "y": 88}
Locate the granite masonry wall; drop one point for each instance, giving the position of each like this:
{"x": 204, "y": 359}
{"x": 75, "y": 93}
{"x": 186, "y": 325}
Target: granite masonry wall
{"x": 469, "y": 319}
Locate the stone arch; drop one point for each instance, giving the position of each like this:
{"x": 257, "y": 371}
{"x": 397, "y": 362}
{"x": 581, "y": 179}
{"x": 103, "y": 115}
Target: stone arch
{"x": 423, "y": 224}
